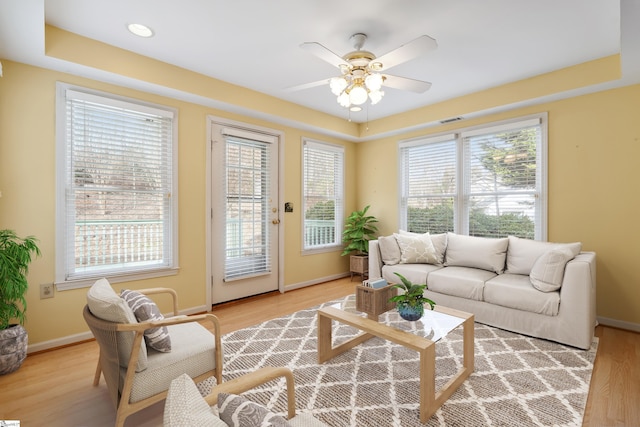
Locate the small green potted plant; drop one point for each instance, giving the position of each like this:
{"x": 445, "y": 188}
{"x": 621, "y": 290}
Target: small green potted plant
{"x": 359, "y": 228}
{"x": 15, "y": 256}
{"x": 410, "y": 304}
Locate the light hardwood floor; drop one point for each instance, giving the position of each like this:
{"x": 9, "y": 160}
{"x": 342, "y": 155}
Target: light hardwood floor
{"x": 54, "y": 388}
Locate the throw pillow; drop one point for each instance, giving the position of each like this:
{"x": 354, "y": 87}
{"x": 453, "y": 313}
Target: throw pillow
{"x": 548, "y": 270}
{"x": 439, "y": 243}
{"x": 416, "y": 249}
{"x": 237, "y": 411}
{"x": 185, "y": 406}
{"x": 523, "y": 253}
{"x": 144, "y": 309}
{"x": 477, "y": 252}
{"x": 105, "y": 304}
{"x": 389, "y": 250}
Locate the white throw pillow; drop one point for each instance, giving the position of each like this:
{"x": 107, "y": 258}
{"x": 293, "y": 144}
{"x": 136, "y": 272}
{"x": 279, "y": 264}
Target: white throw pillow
{"x": 548, "y": 270}
{"x": 416, "y": 249}
{"x": 477, "y": 252}
{"x": 439, "y": 242}
{"x": 237, "y": 411}
{"x": 523, "y": 253}
{"x": 145, "y": 309}
{"x": 105, "y": 304}
{"x": 389, "y": 250}
{"x": 185, "y": 407}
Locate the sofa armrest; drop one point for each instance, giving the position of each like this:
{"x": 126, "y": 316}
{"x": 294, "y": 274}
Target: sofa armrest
{"x": 375, "y": 260}
{"x": 578, "y": 296}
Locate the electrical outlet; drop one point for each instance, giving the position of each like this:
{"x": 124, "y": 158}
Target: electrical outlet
{"x": 46, "y": 290}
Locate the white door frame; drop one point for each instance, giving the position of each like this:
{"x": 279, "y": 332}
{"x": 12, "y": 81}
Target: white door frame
{"x": 209, "y": 199}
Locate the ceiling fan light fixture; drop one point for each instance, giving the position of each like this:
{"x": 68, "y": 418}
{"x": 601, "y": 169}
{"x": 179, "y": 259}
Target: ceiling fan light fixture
{"x": 376, "y": 96}
{"x": 343, "y": 100}
{"x": 373, "y": 82}
{"x": 358, "y": 95}
{"x": 337, "y": 85}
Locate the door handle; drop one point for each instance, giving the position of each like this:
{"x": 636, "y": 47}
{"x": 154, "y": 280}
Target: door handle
{"x": 275, "y": 221}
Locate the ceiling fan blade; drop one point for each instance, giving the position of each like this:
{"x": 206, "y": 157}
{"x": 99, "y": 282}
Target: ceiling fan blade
{"x": 405, "y": 83}
{"x": 323, "y": 53}
{"x": 307, "y": 85}
{"x": 407, "y": 52}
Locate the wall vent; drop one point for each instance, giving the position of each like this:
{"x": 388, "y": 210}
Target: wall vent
{"x": 453, "y": 119}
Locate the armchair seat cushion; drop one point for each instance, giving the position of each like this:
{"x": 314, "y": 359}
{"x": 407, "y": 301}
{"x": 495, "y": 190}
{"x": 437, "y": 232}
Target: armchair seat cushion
{"x": 192, "y": 348}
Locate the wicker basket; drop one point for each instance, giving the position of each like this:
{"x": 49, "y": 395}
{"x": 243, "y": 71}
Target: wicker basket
{"x": 375, "y": 301}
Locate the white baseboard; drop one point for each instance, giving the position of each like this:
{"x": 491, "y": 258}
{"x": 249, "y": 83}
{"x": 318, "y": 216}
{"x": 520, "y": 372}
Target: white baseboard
{"x": 83, "y": 336}
{"x": 315, "y": 281}
{"x": 621, "y": 324}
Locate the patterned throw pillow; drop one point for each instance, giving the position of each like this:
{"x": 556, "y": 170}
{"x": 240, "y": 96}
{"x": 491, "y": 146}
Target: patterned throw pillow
{"x": 145, "y": 309}
{"x": 237, "y": 411}
{"x": 416, "y": 249}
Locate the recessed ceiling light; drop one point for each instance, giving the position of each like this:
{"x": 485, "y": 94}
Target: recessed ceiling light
{"x": 140, "y": 30}
{"x": 355, "y": 108}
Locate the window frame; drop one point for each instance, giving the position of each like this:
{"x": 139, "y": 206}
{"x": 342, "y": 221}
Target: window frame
{"x": 462, "y": 191}
{"x": 339, "y": 204}
{"x": 64, "y": 278}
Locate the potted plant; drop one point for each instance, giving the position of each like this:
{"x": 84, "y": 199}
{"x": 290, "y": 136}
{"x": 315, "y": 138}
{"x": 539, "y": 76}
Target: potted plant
{"x": 359, "y": 228}
{"x": 410, "y": 304}
{"x": 15, "y": 257}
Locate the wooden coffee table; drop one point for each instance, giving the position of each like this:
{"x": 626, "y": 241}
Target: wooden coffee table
{"x": 434, "y": 325}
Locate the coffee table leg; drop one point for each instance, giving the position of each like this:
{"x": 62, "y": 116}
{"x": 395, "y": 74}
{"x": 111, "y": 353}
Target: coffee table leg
{"x": 427, "y": 382}
{"x": 324, "y": 338}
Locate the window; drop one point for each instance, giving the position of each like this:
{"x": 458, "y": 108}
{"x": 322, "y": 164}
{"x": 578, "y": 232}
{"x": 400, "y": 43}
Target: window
{"x": 323, "y": 177}
{"x": 488, "y": 181}
{"x": 116, "y": 198}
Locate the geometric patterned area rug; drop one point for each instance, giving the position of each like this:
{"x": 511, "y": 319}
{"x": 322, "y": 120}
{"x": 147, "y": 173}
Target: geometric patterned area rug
{"x": 517, "y": 380}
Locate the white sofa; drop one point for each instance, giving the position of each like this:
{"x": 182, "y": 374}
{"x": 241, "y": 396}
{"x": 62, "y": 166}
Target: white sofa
{"x": 545, "y": 290}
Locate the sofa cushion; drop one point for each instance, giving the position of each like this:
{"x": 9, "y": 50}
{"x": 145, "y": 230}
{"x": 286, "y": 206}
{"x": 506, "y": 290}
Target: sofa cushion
{"x": 192, "y": 354}
{"x": 439, "y": 242}
{"x": 416, "y": 249}
{"x": 416, "y": 273}
{"x": 516, "y": 291}
{"x": 464, "y": 282}
{"x": 548, "y": 270}
{"x": 145, "y": 309}
{"x": 105, "y": 304}
{"x": 389, "y": 250}
{"x": 523, "y": 253}
{"x": 185, "y": 406}
{"x": 479, "y": 252}
{"x": 237, "y": 411}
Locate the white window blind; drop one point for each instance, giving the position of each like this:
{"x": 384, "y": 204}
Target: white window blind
{"x": 430, "y": 184}
{"x": 489, "y": 181}
{"x": 247, "y": 166}
{"x": 323, "y": 184}
{"x": 116, "y": 198}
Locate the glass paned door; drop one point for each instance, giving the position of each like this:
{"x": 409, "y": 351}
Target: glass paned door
{"x": 245, "y": 213}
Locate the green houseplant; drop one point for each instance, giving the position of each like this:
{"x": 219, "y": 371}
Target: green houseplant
{"x": 410, "y": 303}
{"x": 359, "y": 228}
{"x": 15, "y": 256}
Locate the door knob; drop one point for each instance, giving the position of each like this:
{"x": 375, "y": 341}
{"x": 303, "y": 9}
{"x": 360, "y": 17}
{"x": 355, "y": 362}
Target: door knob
{"x": 275, "y": 221}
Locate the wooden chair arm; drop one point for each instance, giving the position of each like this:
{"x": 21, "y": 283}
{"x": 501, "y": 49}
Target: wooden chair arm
{"x": 155, "y": 291}
{"x": 253, "y": 379}
{"x": 143, "y": 326}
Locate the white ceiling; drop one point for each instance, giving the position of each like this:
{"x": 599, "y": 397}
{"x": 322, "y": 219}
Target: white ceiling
{"x": 255, "y": 43}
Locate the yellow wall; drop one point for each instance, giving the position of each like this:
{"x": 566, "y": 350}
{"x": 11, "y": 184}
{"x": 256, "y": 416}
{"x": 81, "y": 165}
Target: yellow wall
{"x": 594, "y": 147}
{"x": 27, "y": 182}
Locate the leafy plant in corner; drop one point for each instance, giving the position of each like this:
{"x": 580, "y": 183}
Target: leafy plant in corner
{"x": 410, "y": 303}
{"x": 359, "y": 228}
{"x": 15, "y": 257}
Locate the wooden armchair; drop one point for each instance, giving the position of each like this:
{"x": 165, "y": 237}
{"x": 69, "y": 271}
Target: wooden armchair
{"x": 138, "y": 377}
{"x": 185, "y": 407}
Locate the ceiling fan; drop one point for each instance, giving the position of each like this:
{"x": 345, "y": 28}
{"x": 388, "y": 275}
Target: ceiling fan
{"x": 363, "y": 75}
